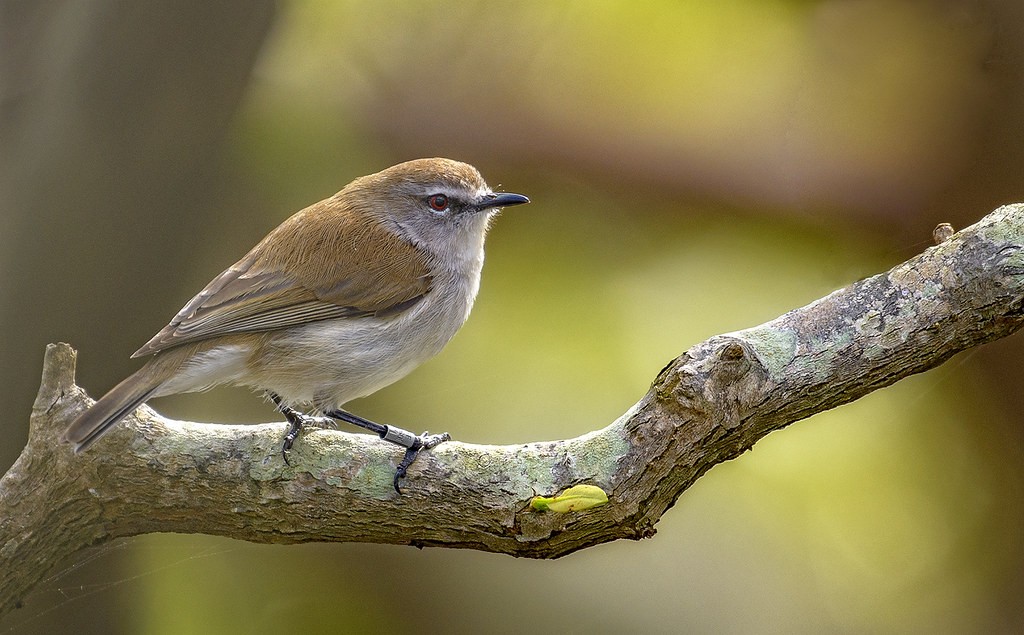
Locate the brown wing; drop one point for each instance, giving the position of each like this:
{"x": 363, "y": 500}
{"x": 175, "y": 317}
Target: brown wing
{"x": 343, "y": 269}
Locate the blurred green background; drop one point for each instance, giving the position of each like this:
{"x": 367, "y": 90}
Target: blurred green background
{"x": 695, "y": 168}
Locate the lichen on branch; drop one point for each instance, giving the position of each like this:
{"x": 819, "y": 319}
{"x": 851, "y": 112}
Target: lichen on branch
{"x": 706, "y": 406}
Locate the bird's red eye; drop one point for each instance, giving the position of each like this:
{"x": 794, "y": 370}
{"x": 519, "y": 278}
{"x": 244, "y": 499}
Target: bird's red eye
{"x": 438, "y": 202}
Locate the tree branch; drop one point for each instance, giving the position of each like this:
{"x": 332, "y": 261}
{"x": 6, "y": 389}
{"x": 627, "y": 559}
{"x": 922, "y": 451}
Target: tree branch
{"x": 707, "y": 406}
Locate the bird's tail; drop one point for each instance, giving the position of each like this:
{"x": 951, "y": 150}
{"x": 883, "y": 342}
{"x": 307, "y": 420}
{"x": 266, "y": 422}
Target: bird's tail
{"x": 117, "y": 404}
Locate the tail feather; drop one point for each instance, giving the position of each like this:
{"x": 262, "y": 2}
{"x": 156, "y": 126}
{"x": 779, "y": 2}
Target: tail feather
{"x": 117, "y": 404}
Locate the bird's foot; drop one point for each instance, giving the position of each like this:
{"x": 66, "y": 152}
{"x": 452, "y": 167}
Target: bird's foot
{"x": 412, "y": 443}
{"x": 419, "y": 443}
{"x": 296, "y": 420}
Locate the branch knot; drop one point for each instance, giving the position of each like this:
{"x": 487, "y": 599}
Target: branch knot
{"x": 721, "y": 379}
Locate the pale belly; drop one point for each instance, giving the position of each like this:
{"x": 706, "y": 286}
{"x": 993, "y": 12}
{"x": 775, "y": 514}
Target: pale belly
{"x": 326, "y": 364}
{"x": 329, "y": 363}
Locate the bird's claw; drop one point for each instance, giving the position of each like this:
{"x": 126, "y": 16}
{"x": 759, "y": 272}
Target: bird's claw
{"x": 323, "y": 423}
{"x": 296, "y": 420}
{"x": 424, "y": 441}
{"x": 294, "y": 427}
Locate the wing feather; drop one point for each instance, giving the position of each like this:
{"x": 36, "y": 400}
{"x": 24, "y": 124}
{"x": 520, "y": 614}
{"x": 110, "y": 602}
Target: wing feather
{"x": 344, "y": 270}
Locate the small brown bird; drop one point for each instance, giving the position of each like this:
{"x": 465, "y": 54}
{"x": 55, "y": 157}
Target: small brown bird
{"x": 342, "y": 299}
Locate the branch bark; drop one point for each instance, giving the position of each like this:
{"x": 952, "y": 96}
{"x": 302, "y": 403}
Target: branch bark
{"x": 707, "y": 406}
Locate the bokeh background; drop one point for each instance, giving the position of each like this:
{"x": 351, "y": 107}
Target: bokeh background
{"x": 695, "y": 168}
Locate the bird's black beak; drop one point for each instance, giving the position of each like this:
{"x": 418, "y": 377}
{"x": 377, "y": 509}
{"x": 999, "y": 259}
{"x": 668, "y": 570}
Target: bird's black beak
{"x": 504, "y": 199}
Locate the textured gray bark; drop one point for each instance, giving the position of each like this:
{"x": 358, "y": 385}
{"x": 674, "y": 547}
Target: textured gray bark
{"x": 707, "y": 406}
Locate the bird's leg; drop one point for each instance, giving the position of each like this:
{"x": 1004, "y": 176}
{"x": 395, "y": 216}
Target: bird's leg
{"x": 413, "y": 444}
{"x": 296, "y": 420}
